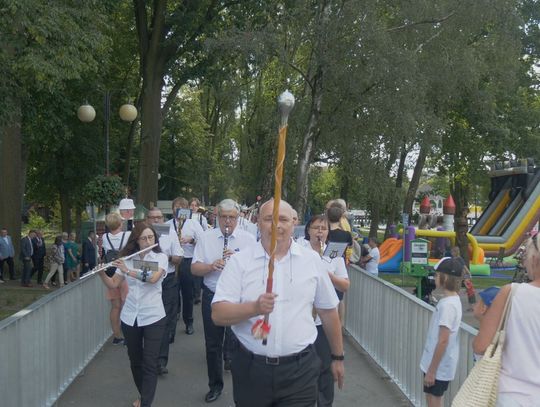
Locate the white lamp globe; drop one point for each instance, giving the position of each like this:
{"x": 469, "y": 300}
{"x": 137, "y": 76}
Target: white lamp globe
{"x": 86, "y": 113}
{"x": 128, "y": 112}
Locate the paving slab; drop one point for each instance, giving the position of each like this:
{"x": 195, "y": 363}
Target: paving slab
{"x": 107, "y": 380}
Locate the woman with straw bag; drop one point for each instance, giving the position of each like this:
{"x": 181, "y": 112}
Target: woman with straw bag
{"x": 519, "y": 380}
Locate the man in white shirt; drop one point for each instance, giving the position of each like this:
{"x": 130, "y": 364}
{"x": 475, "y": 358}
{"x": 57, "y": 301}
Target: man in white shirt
{"x": 170, "y": 245}
{"x": 211, "y": 254}
{"x": 189, "y": 231}
{"x": 285, "y": 370}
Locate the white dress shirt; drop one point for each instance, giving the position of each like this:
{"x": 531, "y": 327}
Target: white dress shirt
{"x": 190, "y": 228}
{"x": 143, "y": 302}
{"x": 300, "y": 283}
{"x": 170, "y": 245}
{"x": 210, "y": 249}
{"x": 335, "y": 266}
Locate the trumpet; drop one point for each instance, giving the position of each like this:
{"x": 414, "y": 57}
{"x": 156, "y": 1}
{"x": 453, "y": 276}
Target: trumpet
{"x": 225, "y": 243}
{"x": 110, "y": 264}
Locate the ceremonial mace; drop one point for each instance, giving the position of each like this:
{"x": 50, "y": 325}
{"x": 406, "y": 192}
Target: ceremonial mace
{"x": 261, "y": 328}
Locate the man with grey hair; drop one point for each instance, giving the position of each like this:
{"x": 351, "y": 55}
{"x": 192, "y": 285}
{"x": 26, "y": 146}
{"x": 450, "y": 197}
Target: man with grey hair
{"x": 284, "y": 371}
{"x": 211, "y": 254}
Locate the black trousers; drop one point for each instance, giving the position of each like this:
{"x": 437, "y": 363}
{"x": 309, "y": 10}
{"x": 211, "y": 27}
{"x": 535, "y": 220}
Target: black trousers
{"x": 39, "y": 265}
{"x": 143, "y": 343}
{"x": 185, "y": 290}
{"x": 169, "y": 295}
{"x": 197, "y": 285}
{"x": 27, "y": 271}
{"x": 326, "y": 378}
{"x": 218, "y": 341}
{"x": 11, "y": 267}
{"x": 292, "y": 384}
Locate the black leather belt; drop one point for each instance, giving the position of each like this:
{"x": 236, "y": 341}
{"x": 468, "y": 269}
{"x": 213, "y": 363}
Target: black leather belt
{"x": 277, "y": 360}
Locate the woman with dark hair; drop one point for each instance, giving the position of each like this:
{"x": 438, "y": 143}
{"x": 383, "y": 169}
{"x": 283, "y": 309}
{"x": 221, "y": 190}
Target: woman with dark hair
{"x": 316, "y": 234}
{"x": 143, "y": 314}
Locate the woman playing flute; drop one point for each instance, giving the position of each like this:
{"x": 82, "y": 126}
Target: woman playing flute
{"x": 316, "y": 233}
{"x": 143, "y": 315}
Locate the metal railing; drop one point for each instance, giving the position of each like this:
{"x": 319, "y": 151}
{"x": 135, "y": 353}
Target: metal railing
{"x": 45, "y": 346}
{"x": 391, "y": 325}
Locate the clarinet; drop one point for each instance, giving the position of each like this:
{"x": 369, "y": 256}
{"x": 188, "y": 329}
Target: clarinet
{"x": 225, "y": 243}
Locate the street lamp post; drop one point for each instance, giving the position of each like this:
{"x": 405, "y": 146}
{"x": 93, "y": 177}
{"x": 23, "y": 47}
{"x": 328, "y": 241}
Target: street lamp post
{"x": 86, "y": 113}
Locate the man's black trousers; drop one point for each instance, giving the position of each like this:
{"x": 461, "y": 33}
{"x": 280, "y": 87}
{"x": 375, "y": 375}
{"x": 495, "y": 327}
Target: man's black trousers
{"x": 292, "y": 384}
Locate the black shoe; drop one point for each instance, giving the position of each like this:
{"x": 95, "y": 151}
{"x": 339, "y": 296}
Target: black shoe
{"x": 161, "y": 370}
{"x": 227, "y": 365}
{"x": 212, "y": 395}
{"x": 190, "y": 330}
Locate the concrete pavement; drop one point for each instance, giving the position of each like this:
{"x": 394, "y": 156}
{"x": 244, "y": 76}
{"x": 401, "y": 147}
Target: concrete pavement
{"x": 107, "y": 380}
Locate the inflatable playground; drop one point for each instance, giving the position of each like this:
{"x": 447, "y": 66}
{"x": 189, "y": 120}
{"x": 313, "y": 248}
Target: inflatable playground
{"x": 513, "y": 211}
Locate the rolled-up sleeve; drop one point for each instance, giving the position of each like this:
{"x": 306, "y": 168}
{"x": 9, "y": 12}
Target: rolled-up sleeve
{"x": 229, "y": 286}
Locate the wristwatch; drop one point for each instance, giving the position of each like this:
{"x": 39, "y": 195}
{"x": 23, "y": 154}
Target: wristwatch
{"x": 337, "y": 357}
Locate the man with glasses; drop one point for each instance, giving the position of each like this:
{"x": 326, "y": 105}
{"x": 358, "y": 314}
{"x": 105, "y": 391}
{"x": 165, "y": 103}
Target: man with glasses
{"x": 211, "y": 254}
{"x": 189, "y": 232}
{"x": 170, "y": 245}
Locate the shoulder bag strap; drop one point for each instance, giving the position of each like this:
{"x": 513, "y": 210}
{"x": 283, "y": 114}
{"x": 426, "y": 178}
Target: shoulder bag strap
{"x": 121, "y": 241}
{"x": 504, "y": 317}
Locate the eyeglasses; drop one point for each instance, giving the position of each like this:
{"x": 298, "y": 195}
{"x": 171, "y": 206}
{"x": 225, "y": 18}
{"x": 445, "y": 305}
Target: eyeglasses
{"x": 319, "y": 228}
{"x": 147, "y": 238}
{"x": 157, "y": 217}
{"x": 228, "y": 218}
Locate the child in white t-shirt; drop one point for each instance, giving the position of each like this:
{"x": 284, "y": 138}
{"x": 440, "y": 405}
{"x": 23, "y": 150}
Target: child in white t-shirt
{"x": 441, "y": 351}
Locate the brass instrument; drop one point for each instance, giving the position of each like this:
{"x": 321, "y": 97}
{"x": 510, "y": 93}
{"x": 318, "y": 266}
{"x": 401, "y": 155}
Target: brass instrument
{"x": 321, "y": 248}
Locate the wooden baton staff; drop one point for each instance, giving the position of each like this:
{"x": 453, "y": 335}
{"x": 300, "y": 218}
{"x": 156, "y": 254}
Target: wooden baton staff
{"x": 285, "y": 103}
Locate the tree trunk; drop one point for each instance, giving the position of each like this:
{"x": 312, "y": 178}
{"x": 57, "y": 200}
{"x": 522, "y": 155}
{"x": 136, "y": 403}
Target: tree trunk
{"x": 375, "y": 218}
{"x": 151, "y": 124}
{"x": 10, "y": 180}
{"x": 393, "y": 216}
{"x": 308, "y": 147}
{"x": 65, "y": 211}
{"x": 78, "y": 223}
{"x": 415, "y": 180}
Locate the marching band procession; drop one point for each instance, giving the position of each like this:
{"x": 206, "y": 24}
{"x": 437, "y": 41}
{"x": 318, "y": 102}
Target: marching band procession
{"x": 293, "y": 357}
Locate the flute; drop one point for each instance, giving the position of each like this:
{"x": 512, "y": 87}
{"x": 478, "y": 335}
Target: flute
{"x": 225, "y": 243}
{"x": 110, "y": 264}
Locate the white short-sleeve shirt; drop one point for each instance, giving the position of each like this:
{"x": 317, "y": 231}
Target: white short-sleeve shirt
{"x": 170, "y": 245}
{"x": 300, "y": 283}
{"x": 143, "y": 302}
{"x": 190, "y": 228}
{"x": 372, "y": 266}
{"x": 448, "y": 314}
{"x": 335, "y": 266}
{"x": 210, "y": 249}
{"x": 116, "y": 241}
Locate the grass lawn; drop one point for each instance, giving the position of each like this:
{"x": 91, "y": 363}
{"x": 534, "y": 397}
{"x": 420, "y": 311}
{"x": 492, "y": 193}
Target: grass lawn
{"x": 13, "y": 297}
